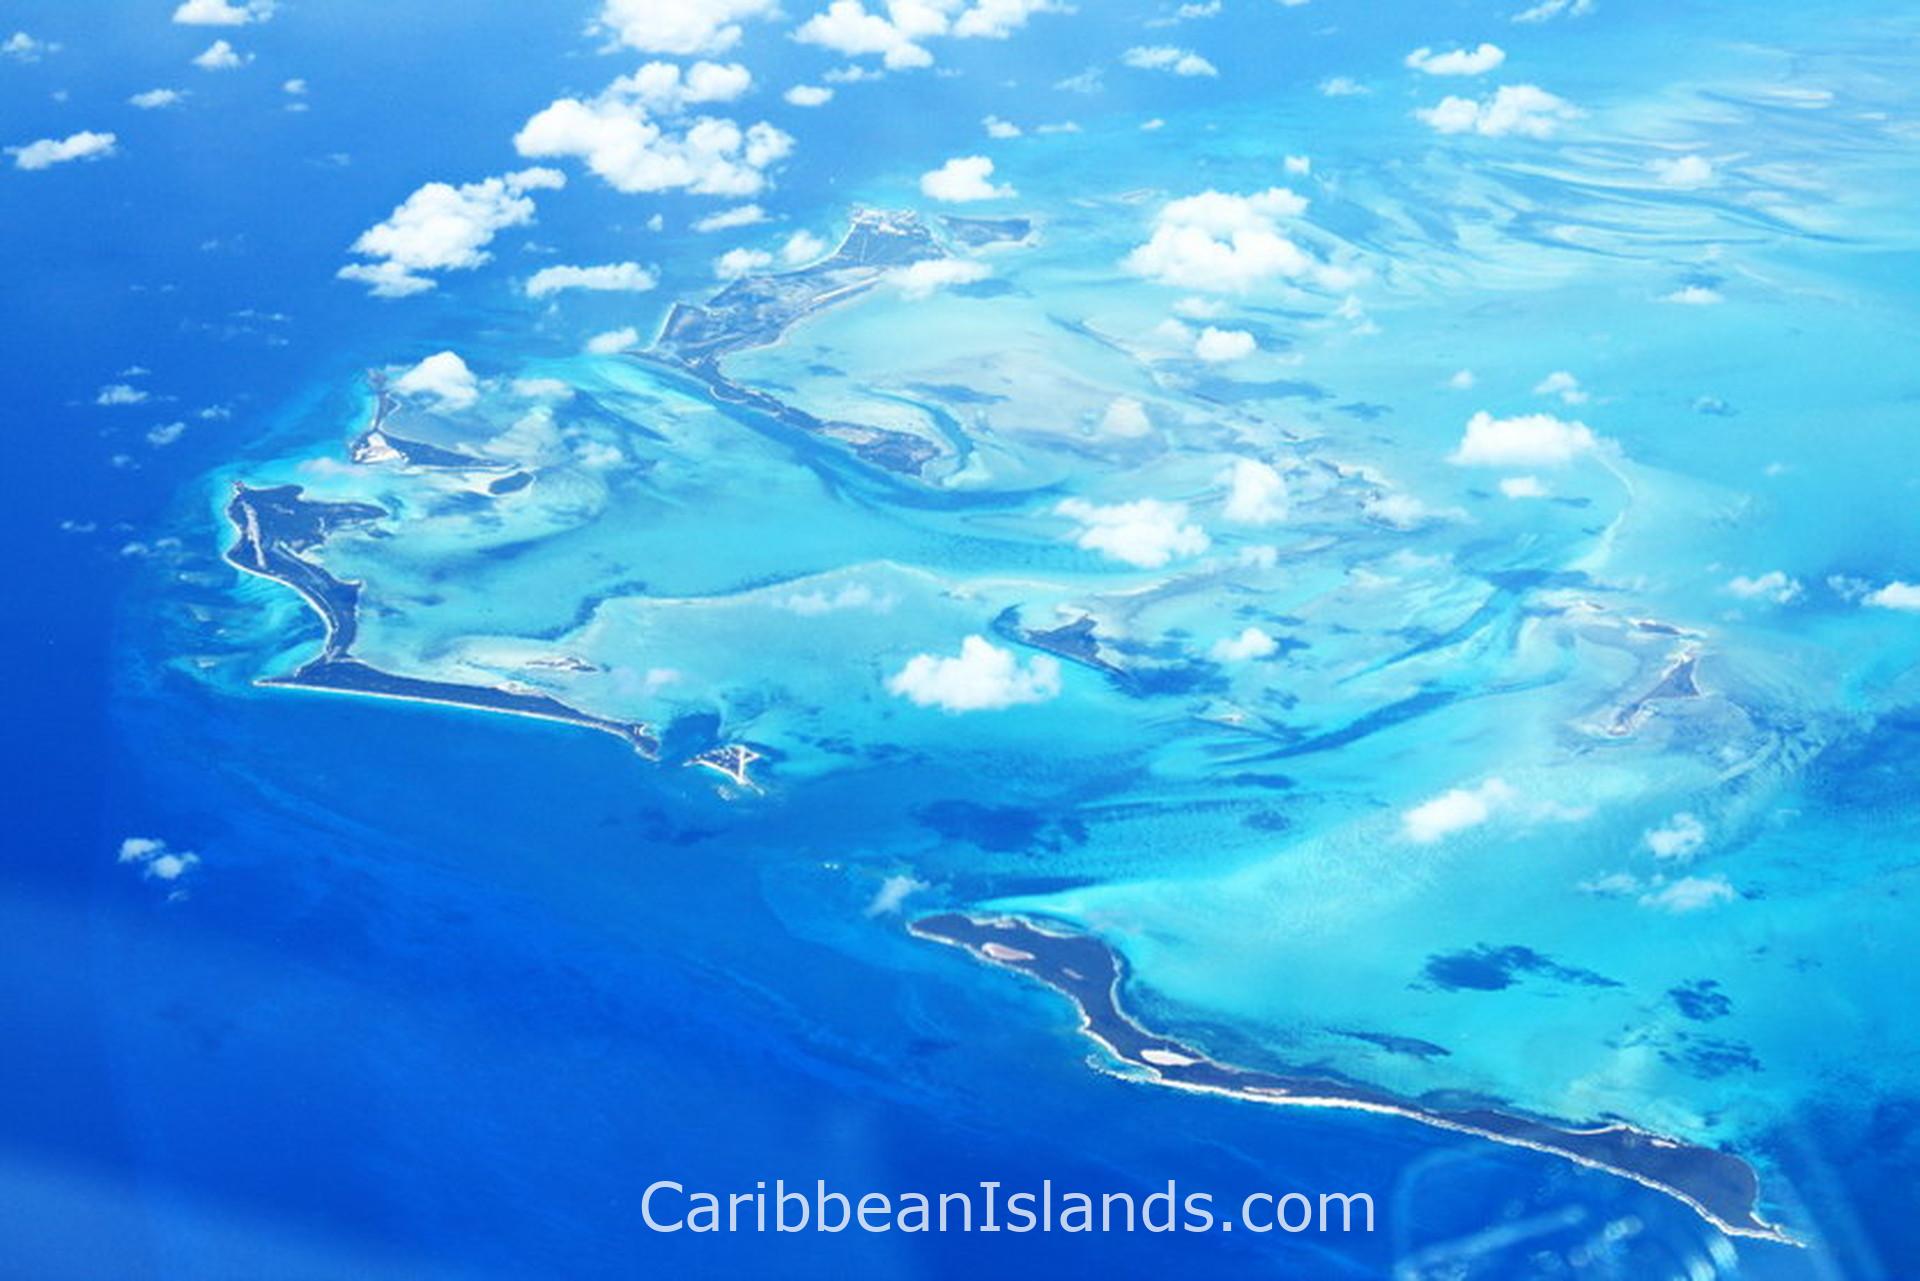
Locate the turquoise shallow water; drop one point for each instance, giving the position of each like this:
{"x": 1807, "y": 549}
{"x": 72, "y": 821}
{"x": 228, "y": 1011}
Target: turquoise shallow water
{"x": 1573, "y": 775}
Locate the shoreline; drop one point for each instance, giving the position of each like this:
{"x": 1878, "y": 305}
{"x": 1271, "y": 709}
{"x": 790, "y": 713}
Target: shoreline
{"x": 1718, "y": 1186}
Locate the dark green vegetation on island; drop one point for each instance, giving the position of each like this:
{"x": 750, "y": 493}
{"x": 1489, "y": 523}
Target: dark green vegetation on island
{"x": 1719, "y": 1185}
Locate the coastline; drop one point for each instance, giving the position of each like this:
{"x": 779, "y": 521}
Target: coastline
{"x": 1718, "y": 1186}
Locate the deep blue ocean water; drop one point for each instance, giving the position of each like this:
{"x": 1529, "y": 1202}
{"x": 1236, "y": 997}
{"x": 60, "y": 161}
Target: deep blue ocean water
{"x": 448, "y": 991}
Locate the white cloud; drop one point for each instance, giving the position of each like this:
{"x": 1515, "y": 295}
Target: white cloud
{"x": 1530, "y": 440}
{"x": 220, "y": 56}
{"x": 1125, "y": 417}
{"x": 164, "y": 434}
{"x": 1679, "y": 838}
{"x": 613, "y": 277}
{"x": 155, "y": 859}
{"x": 1683, "y": 171}
{"x": 1895, "y": 595}
{"x": 1527, "y": 110}
{"x": 154, "y": 99}
{"x": 444, "y": 228}
{"x": 1298, "y": 166}
{"x": 1249, "y": 644}
{"x": 47, "y": 152}
{"x": 1218, "y": 346}
{"x": 663, "y": 88}
{"x": 222, "y": 13}
{"x": 1256, "y": 495}
{"x": 1457, "y": 62}
{"x": 541, "y": 388}
{"x": 22, "y": 47}
{"x": 1522, "y": 487}
{"x": 1562, "y": 384}
{"x": 1343, "y": 87}
{"x": 1401, "y": 511}
{"x": 1774, "y": 585}
{"x": 739, "y": 262}
{"x": 893, "y": 892}
{"x": 983, "y": 678}
{"x": 1690, "y": 894}
{"x": 1694, "y": 296}
{"x": 802, "y": 247}
{"x": 1166, "y": 57}
{"x": 899, "y": 33}
{"x": 119, "y": 394}
{"x": 963, "y": 179}
{"x": 616, "y": 136}
{"x": 296, "y": 87}
{"x": 1548, "y": 9}
{"x": 729, "y": 219}
{"x": 443, "y": 376}
{"x": 1147, "y": 533}
{"x": 681, "y": 26}
{"x": 998, "y": 128}
{"x": 1227, "y": 244}
{"x": 920, "y": 279}
{"x": 1462, "y": 380}
{"x": 1455, "y": 811}
{"x": 808, "y": 96}
{"x": 613, "y": 342}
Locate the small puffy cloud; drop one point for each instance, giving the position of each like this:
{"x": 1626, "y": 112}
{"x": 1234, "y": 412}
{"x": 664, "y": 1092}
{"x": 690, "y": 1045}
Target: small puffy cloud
{"x": 739, "y": 262}
{"x": 1218, "y": 346}
{"x": 802, "y": 247}
{"x": 1562, "y": 384}
{"x": 154, "y": 99}
{"x": 1457, "y": 62}
{"x": 1680, "y": 837}
{"x": 1256, "y": 493}
{"x": 1694, "y": 296}
{"x": 1547, "y": 10}
{"x": 893, "y": 892}
{"x": 1690, "y": 894}
{"x": 1397, "y": 510}
{"x": 1225, "y": 243}
{"x": 296, "y": 87}
{"x": 1523, "y": 487}
{"x": 1527, "y": 110}
{"x": 1166, "y": 57}
{"x": 22, "y": 47}
{"x": 963, "y": 179}
{"x": 920, "y": 279}
{"x": 1146, "y": 533}
{"x": 899, "y": 34}
{"x": 983, "y": 678}
{"x": 1530, "y": 440}
{"x": 1343, "y": 87}
{"x": 616, "y": 136}
{"x": 1298, "y": 166}
{"x": 47, "y": 152}
{"x": 119, "y": 394}
{"x": 443, "y": 376}
{"x": 1774, "y": 585}
{"x": 1251, "y": 643}
{"x": 1462, "y": 380}
{"x": 1455, "y": 811}
{"x": 998, "y": 128}
{"x": 1895, "y": 595}
{"x": 1683, "y": 171}
{"x": 613, "y": 342}
{"x": 155, "y": 859}
{"x": 808, "y": 96}
{"x": 220, "y": 56}
{"x": 222, "y": 13}
{"x": 664, "y": 88}
{"x": 681, "y": 27}
{"x": 441, "y": 227}
{"x": 1125, "y": 417}
{"x": 729, "y": 219}
{"x": 613, "y": 277}
{"x": 165, "y": 434}
{"x": 541, "y": 388}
